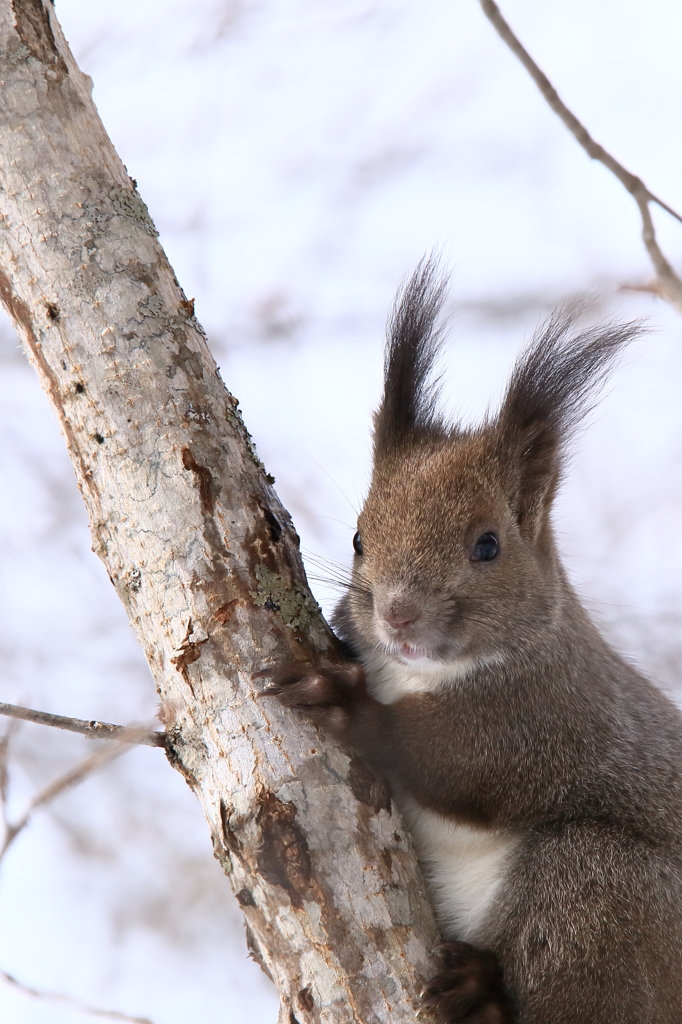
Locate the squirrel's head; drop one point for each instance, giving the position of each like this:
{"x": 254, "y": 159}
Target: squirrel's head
{"x": 455, "y": 562}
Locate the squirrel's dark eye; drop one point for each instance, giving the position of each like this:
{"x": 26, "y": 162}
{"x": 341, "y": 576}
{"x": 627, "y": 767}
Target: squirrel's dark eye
{"x": 357, "y": 544}
{"x": 486, "y": 548}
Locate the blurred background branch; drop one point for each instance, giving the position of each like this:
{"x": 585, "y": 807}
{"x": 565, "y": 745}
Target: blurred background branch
{"x": 77, "y": 774}
{"x": 71, "y": 778}
{"x": 59, "y": 997}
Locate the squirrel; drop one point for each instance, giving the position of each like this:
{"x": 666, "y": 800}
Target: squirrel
{"x": 539, "y": 773}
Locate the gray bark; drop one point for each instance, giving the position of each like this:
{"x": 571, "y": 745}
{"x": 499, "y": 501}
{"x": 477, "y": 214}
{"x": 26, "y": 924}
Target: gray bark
{"x": 201, "y": 552}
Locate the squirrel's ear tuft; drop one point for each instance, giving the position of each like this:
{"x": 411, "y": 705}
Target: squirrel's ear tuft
{"x": 408, "y": 408}
{"x": 555, "y": 382}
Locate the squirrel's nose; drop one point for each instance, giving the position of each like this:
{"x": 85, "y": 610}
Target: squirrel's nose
{"x": 400, "y": 621}
{"x": 399, "y": 614}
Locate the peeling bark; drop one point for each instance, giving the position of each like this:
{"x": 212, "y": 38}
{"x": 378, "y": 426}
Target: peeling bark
{"x": 200, "y": 550}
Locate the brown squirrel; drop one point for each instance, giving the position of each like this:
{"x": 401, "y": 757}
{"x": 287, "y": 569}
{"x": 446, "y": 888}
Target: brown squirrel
{"x": 540, "y": 774}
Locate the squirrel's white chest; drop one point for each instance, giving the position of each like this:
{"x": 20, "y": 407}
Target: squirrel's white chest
{"x": 464, "y": 866}
{"x": 388, "y": 680}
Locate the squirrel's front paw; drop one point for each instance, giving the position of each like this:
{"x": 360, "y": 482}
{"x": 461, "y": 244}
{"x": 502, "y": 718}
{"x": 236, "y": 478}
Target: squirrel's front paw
{"x": 324, "y": 693}
{"x": 469, "y": 989}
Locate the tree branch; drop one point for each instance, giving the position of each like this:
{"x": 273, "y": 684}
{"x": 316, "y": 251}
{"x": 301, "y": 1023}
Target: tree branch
{"x": 201, "y": 552}
{"x": 669, "y": 283}
{"x": 93, "y": 730}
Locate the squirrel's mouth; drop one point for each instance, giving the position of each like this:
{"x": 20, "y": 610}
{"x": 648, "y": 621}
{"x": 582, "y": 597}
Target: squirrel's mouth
{"x": 412, "y": 653}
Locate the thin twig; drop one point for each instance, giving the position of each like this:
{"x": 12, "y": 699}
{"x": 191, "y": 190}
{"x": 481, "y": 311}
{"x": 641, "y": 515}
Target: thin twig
{"x": 94, "y": 1011}
{"x": 93, "y": 730}
{"x": 670, "y": 282}
{"x": 66, "y": 781}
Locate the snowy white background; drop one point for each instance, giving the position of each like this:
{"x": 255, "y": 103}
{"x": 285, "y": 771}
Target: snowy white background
{"x": 298, "y": 158}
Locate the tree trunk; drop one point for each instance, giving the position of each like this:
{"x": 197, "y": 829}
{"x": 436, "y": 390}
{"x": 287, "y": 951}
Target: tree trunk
{"x": 200, "y": 550}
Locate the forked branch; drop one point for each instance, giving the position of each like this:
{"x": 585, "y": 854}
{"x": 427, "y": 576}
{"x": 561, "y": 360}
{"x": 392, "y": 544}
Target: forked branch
{"x": 668, "y": 283}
